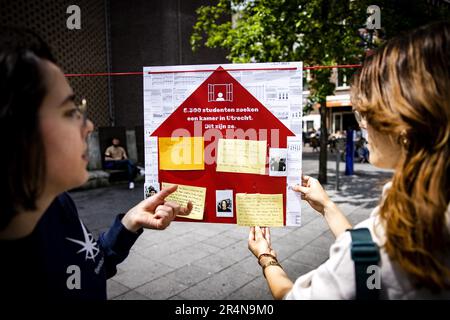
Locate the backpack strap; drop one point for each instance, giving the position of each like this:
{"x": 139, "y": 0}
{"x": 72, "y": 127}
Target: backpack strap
{"x": 364, "y": 253}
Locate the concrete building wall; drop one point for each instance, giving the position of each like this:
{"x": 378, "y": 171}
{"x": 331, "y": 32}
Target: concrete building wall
{"x": 149, "y": 33}
{"x": 76, "y": 51}
{"x": 116, "y": 36}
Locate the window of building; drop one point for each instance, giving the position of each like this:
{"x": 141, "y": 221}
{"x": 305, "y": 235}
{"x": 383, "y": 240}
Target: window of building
{"x": 306, "y": 79}
{"x": 342, "y": 79}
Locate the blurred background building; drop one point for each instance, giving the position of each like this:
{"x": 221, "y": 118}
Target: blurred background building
{"x": 115, "y": 36}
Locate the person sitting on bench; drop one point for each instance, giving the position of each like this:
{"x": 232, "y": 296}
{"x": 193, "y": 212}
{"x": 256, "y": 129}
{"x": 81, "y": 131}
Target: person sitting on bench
{"x": 116, "y": 159}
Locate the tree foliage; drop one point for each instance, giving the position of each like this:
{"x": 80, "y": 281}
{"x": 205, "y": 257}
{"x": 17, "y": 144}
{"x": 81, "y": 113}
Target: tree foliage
{"x": 317, "y": 32}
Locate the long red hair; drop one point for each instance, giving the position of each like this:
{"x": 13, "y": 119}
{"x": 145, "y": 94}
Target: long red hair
{"x": 403, "y": 90}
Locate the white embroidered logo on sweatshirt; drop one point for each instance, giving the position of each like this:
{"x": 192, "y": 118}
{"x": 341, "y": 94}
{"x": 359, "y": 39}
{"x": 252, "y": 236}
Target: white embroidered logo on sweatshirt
{"x": 89, "y": 246}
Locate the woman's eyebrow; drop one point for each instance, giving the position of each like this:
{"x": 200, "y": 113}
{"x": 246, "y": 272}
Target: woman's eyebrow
{"x": 70, "y": 98}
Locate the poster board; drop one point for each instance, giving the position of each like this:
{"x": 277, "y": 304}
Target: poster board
{"x": 229, "y": 134}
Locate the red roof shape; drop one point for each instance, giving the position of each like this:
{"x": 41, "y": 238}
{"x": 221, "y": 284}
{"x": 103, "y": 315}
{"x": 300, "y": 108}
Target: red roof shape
{"x": 220, "y": 91}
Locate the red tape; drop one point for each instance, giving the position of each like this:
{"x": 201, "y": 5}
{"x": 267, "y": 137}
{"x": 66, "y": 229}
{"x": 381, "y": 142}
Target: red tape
{"x": 102, "y": 74}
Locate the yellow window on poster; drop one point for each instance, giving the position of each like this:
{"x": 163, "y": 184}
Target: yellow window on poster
{"x": 181, "y": 153}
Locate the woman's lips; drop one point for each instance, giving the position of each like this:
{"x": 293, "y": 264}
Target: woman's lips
{"x": 85, "y": 156}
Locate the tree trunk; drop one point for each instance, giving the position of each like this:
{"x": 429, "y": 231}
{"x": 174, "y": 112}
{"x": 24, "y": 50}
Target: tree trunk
{"x": 323, "y": 144}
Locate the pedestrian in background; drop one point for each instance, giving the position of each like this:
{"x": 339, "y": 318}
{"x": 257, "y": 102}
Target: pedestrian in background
{"x": 116, "y": 158}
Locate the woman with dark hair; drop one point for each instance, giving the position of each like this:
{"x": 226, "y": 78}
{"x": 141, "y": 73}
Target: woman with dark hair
{"x": 223, "y": 206}
{"x": 47, "y": 252}
{"x": 401, "y": 96}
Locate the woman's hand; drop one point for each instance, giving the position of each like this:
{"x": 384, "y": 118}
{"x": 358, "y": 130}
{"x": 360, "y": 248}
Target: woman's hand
{"x": 154, "y": 212}
{"x": 313, "y": 192}
{"x": 259, "y": 241}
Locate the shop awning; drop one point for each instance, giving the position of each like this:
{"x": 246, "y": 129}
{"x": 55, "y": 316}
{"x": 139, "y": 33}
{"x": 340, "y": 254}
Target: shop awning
{"x": 341, "y": 100}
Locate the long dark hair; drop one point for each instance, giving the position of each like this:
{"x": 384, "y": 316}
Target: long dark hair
{"x": 22, "y": 90}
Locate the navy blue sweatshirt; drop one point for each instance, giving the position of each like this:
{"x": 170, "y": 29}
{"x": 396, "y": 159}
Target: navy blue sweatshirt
{"x": 60, "y": 259}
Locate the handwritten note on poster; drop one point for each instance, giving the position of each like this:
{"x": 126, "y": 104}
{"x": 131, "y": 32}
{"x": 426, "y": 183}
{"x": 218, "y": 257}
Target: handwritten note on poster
{"x": 242, "y": 156}
{"x": 181, "y": 153}
{"x": 257, "y": 209}
{"x": 184, "y": 194}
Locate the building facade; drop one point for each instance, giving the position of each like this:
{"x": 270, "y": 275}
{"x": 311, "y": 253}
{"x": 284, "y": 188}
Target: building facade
{"x": 114, "y": 36}
{"x": 340, "y": 115}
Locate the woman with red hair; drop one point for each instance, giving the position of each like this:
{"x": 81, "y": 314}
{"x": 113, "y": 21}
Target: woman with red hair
{"x": 402, "y": 97}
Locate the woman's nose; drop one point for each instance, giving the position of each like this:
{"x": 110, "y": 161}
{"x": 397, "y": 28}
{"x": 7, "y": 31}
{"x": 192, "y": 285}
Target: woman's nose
{"x": 88, "y": 127}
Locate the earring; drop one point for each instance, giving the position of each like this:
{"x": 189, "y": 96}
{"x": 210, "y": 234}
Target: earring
{"x": 403, "y": 138}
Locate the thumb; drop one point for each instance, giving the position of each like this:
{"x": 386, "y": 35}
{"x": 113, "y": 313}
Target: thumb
{"x": 306, "y": 179}
{"x": 268, "y": 237}
{"x": 300, "y": 188}
{"x": 258, "y": 233}
{"x": 184, "y": 211}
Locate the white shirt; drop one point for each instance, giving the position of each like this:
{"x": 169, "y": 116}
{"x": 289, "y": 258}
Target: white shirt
{"x": 335, "y": 278}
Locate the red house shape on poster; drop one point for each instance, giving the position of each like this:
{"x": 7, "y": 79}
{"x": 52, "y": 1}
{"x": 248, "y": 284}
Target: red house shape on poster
{"x": 263, "y": 123}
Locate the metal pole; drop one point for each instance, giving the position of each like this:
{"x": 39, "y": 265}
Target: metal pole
{"x": 108, "y": 61}
{"x": 338, "y": 155}
{"x": 180, "y": 45}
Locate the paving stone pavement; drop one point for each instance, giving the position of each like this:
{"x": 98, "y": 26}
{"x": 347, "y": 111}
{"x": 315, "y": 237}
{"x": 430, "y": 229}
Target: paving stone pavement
{"x": 211, "y": 261}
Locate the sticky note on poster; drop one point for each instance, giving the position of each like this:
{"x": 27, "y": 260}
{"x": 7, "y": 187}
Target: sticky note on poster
{"x": 181, "y": 153}
{"x": 257, "y": 209}
{"x": 241, "y": 156}
{"x": 184, "y": 194}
